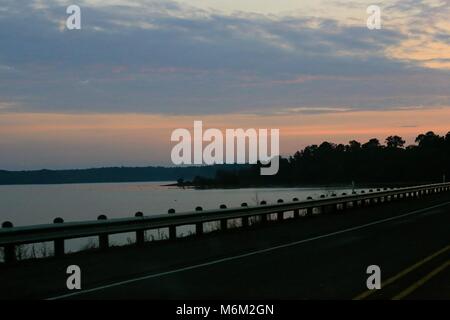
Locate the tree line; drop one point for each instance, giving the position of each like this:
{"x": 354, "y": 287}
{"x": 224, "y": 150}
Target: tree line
{"x": 112, "y": 174}
{"x": 372, "y": 162}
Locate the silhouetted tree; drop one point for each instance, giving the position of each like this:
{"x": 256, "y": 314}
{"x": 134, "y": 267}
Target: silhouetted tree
{"x": 371, "y": 144}
{"x": 354, "y": 146}
{"x": 370, "y": 162}
{"x": 395, "y": 142}
{"x": 429, "y": 140}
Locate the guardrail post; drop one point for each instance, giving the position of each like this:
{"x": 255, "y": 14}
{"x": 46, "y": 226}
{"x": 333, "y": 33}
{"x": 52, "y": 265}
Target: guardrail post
{"x": 140, "y": 234}
{"x": 296, "y": 211}
{"x": 10, "y": 249}
{"x": 172, "y": 229}
{"x": 245, "y": 220}
{"x": 103, "y": 239}
{"x": 280, "y": 214}
{"x": 223, "y": 222}
{"x": 263, "y": 216}
{"x": 58, "y": 244}
{"x": 199, "y": 225}
{"x": 333, "y": 208}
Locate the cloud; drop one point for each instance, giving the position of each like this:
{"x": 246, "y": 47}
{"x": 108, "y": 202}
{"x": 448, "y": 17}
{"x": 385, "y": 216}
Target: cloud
{"x": 426, "y": 33}
{"x": 7, "y": 69}
{"x": 8, "y": 106}
{"x": 170, "y": 57}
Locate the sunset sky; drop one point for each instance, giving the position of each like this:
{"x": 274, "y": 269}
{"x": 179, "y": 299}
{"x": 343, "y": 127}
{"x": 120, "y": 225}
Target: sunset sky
{"x": 111, "y": 93}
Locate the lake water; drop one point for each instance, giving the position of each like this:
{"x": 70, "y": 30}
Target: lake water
{"x": 40, "y": 204}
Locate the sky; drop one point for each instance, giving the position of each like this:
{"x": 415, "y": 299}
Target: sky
{"x": 112, "y": 92}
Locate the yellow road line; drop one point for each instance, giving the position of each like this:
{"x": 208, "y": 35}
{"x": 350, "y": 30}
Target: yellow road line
{"x": 402, "y": 273}
{"x": 421, "y": 282}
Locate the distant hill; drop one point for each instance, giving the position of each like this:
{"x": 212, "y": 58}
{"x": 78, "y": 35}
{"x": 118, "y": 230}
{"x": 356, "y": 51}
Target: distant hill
{"x": 111, "y": 174}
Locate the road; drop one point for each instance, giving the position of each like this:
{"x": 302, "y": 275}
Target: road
{"x": 323, "y": 257}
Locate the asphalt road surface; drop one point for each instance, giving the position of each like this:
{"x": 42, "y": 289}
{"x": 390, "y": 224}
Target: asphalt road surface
{"x": 322, "y": 257}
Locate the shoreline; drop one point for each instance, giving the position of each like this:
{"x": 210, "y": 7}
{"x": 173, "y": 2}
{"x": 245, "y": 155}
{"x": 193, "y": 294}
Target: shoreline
{"x": 296, "y": 186}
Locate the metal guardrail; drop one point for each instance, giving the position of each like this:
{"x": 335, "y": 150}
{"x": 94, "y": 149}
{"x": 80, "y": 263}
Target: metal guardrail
{"x": 59, "y": 231}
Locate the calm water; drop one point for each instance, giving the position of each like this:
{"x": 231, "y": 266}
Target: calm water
{"x": 40, "y": 204}
{"x": 37, "y": 204}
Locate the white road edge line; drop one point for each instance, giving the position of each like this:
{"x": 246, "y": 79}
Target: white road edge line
{"x": 252, "y": 253}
